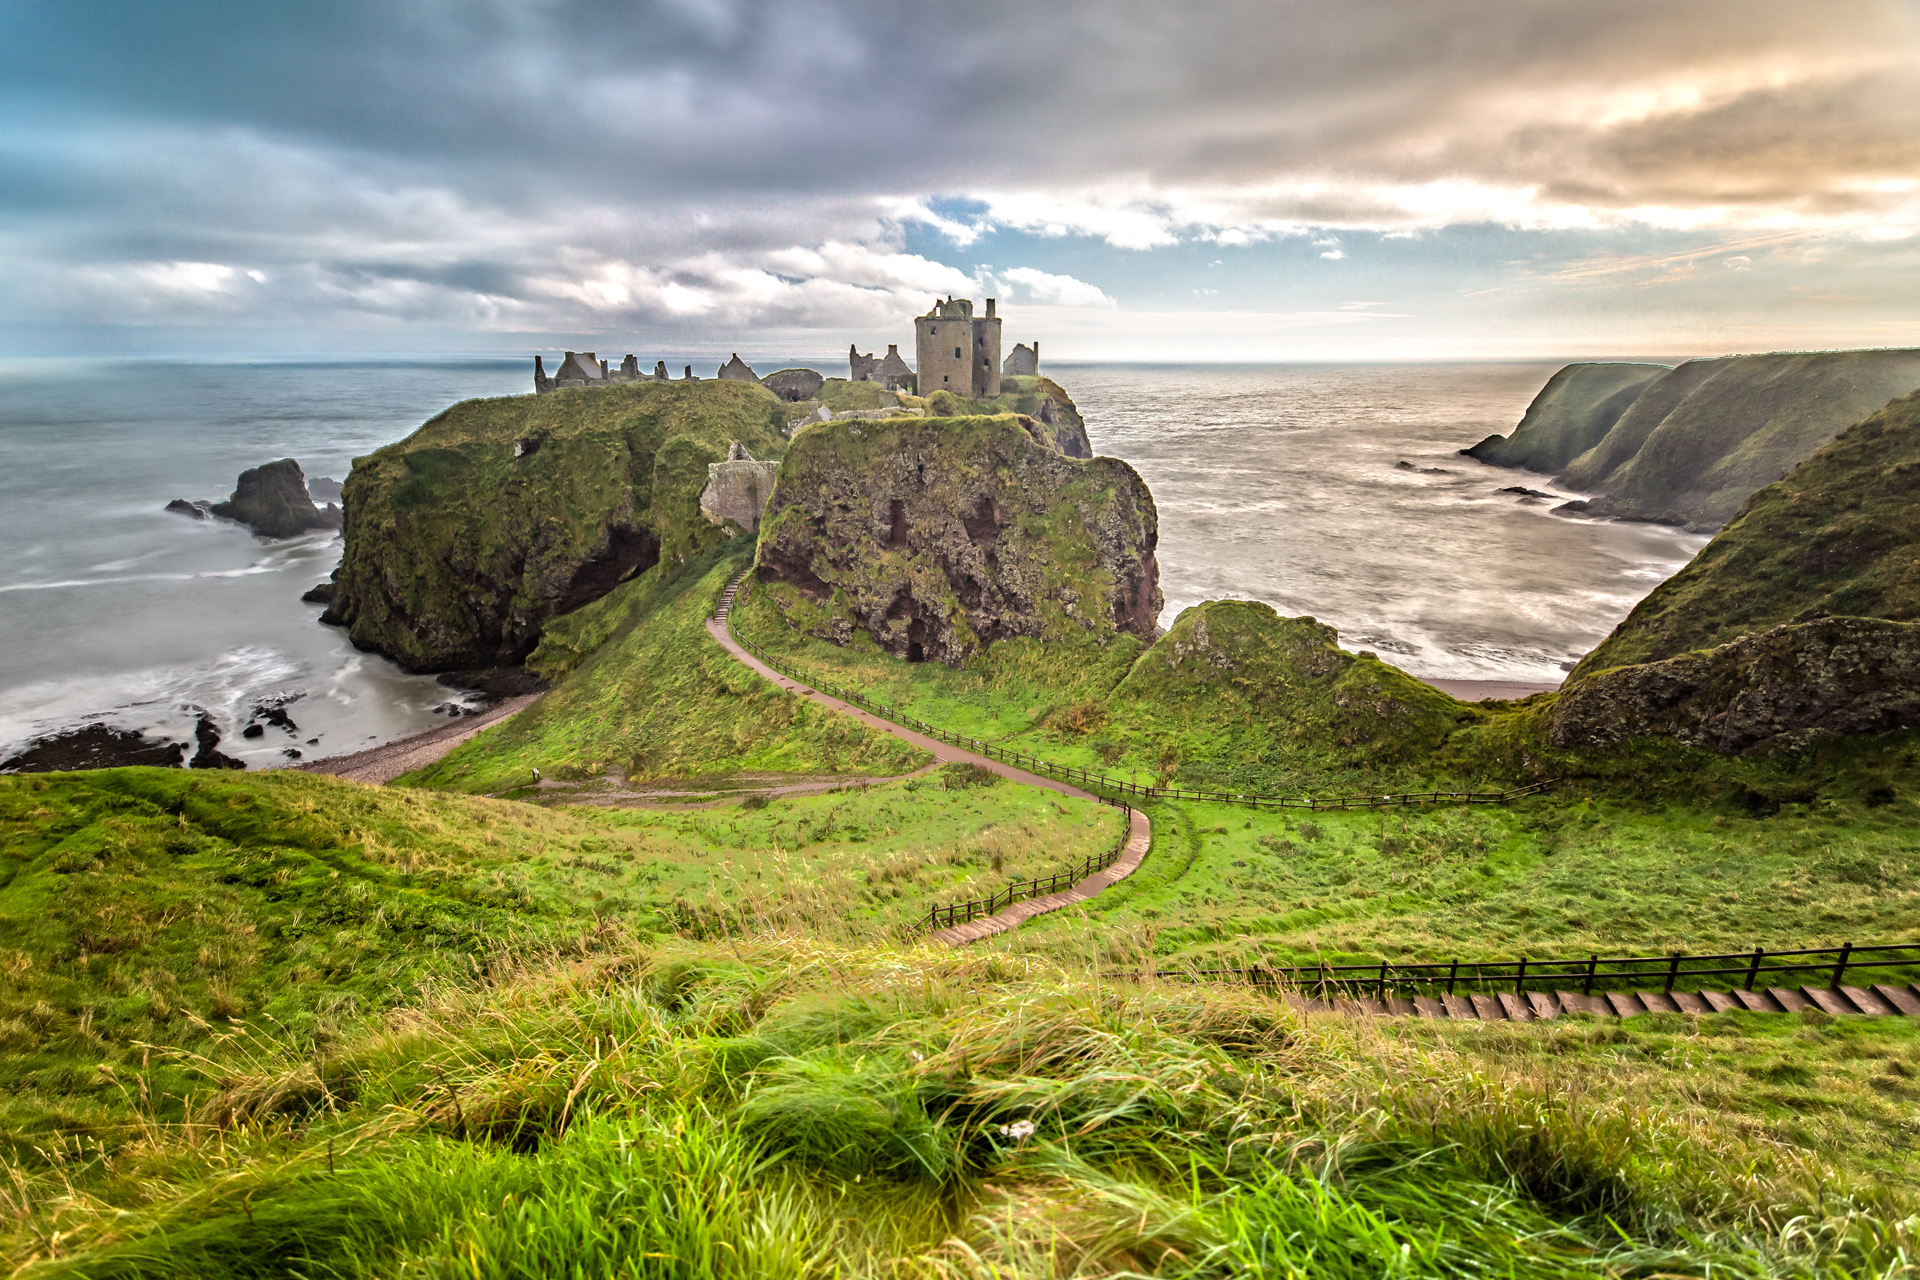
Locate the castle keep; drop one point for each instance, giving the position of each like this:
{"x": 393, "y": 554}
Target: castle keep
{"x": 957, "y": 352}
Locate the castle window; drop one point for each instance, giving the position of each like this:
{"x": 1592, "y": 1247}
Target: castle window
{"x": 956, "y": 353}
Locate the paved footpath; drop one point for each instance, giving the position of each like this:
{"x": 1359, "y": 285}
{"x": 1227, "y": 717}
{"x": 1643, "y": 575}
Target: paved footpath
{"x": 1139, "y": 834}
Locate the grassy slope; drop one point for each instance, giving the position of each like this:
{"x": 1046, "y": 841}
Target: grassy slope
{"x": 779, "y": 1111}
{"x": 1712, "y": 432}
{"x": 173, "y": 909}
{"x": 1835, "y": 537}
{"x": 1572, "y": 414}
{"x": 656, "y": 697}
{"x": 1233, "y": 696}
{"x": 452, "y": 505}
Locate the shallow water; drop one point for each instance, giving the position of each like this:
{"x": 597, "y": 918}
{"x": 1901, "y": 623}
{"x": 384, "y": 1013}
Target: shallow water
{"x": 1275, "y": 483}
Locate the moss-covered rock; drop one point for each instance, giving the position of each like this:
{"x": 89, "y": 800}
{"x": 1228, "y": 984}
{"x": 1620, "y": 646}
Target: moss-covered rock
{"x": 939, "y": 536}
{"x": 1781, "y": 687}
{"x": 1571, "y": 415}
{"x": 1697, "y": 442}
{"x": 1836, "y": 537}
{"x": 464, "y": 539}
{"x": 1233, "y": 679}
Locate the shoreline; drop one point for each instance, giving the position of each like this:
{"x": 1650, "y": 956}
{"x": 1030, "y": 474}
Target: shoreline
{"x": 382, "y": 764}
{"x": 1488, "y": 690}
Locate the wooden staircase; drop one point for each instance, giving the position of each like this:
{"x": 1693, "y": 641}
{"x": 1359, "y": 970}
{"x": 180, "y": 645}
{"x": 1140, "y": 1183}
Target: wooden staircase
{"x": 1880, "y": 1000}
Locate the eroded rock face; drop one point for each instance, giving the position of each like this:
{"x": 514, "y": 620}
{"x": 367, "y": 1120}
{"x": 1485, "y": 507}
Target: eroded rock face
{"x": 1776, "y": 689}
{"x": 940, "y": 536}
{"x": 272, "y": 501}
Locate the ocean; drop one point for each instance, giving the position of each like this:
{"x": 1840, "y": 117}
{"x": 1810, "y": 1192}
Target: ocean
{"x": 1276, "y": 483}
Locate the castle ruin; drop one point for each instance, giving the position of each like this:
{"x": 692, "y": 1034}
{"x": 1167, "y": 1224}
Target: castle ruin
{"x": 973, "y": 367}
{"x": 954, "y": 351}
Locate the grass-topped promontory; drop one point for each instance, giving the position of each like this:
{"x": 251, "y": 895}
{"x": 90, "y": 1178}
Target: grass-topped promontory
{"x": 784, "y": 1110}
{"x": 644, "y": 692}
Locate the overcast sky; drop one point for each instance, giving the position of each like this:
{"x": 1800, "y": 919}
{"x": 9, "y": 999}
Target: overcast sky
{"x": 1133, "y": 179}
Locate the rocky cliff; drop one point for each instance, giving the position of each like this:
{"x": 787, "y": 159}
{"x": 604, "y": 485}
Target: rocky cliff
{"x": 464, "y": 538}
{"x": 939, "y": 536}
{"x": 1836, "y": 537}
{"x": 1571, "y": 415}
{"x": 1780, "y": 688}
{"x": 1696, "y": 442}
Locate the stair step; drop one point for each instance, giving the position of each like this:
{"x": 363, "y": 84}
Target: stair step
{"x": 1901, "y": 998}
{"x": 1487, "y": 1009}
{"x": 1722, "y": 1001}
{"x": 1790, "y": 1000}
{"x": 1690, "y": 1002}
{"x": 1574, "y": 1002}
{"x": 1868, "y": 1003}
{"x": 1363, "y": 1004}
{"x": 1829, "y": 1000}
{"x": 1658, "y": 1002}
{"x": 1429, "y": 1007}
{"x": 1544, "y": 1005}
{"x": 1624, "y": 1004}
{"x": 1516, "y": 1007}
{"x": 1459, "y": 1007}
{"x": 1400, "y": 1007}
{"x": 1757, "y": 1001}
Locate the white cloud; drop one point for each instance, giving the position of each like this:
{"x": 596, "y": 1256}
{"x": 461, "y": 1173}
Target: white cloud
{"x": 1047, "y": 289}
{"x": 1738, "y": 262}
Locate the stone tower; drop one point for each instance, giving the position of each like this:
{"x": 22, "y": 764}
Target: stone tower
{"x": 956, "y": 352}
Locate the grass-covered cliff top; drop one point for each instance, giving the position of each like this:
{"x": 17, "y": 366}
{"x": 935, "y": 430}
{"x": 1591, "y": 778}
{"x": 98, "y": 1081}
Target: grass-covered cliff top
{"x": 1572, "y": 414}
{"x": 1836, "y": 537}
{"x": 465, "y": 538}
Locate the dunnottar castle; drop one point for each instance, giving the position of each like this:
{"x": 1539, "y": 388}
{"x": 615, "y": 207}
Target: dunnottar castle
{"x": 954, "y": 350}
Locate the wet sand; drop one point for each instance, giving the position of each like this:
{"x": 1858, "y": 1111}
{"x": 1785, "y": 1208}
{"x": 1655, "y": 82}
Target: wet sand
{"x": 388, "y": 761}
{"x": 1486, "y": 690}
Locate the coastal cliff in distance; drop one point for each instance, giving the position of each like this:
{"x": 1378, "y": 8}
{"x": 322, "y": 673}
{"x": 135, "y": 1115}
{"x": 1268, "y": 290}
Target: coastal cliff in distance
{"x": 1689, "y": 446}
{"x": 939, "y": 536}
{"x": 464, "y": 539}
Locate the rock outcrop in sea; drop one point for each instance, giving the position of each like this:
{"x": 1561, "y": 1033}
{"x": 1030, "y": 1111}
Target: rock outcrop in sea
{"x": 272, "y": 501}
{"x": 939, "y": 536}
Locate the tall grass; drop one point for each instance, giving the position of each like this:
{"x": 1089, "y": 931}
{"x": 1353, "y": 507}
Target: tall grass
{"x": 780, "y": 1109}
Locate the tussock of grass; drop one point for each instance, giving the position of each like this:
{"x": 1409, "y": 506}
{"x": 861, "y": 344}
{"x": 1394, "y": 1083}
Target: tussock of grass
{"x": 778, "y": 1109}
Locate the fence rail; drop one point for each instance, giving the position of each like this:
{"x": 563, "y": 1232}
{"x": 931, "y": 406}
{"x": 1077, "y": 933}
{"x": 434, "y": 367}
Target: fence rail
{"x": 1021, "y": 890}
{"x": 1089, "y": 779}
{"x": 1678, "y": 969}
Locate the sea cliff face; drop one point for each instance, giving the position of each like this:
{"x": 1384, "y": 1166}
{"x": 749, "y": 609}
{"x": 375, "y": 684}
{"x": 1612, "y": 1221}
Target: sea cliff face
{"x": 939, "y": 536}
{"x": 465, "y": 538}
{"x": 1689, "y": 446}
{"x": 1835, "y": 537}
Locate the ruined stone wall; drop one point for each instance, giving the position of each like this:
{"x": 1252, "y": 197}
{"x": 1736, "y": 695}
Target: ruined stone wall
{"x": 1022, "y": 362}
{"x": 944, "y": 350}
{"x": 737, "y": 492}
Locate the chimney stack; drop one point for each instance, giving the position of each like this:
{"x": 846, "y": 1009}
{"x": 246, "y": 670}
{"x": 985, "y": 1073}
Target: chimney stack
{"x": 989, "y": 308}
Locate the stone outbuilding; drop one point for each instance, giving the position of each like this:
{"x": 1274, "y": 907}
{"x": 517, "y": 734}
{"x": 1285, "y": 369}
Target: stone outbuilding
{"x": 794, "y": 384}
{"x": 1022, "y": 362}
{"x": 737, "y": 370}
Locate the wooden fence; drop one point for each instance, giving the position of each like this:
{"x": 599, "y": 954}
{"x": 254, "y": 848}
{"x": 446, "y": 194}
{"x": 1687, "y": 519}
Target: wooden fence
{"x": 1039, "y": 886}
{"x": 1679, "y": 969}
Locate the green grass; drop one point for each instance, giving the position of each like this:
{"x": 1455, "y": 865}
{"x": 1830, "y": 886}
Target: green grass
{"x": 156, "y": 907}
{"x": 1833, "y": 538}
{"x": 781, "y": 1110}
{"x": 647, "y": 693}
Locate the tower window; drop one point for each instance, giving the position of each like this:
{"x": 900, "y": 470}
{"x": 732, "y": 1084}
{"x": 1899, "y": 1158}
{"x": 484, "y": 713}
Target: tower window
{"x": 956, "y": 353}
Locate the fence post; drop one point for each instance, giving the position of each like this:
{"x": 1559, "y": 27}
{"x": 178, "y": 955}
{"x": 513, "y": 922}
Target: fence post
{"x": 1673, "y": 971}
{"x": 1839, "y": 970}
{"x": 1753, "y": 970}
{"x": 1383, "y": 980}
{"x": 1520, "y": 978}
{"x": 1452, "y": 974}
{"x": 1593, "y": 963}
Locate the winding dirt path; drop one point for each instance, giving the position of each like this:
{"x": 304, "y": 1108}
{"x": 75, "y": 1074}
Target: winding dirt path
{"x": 1139, "y": 834}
